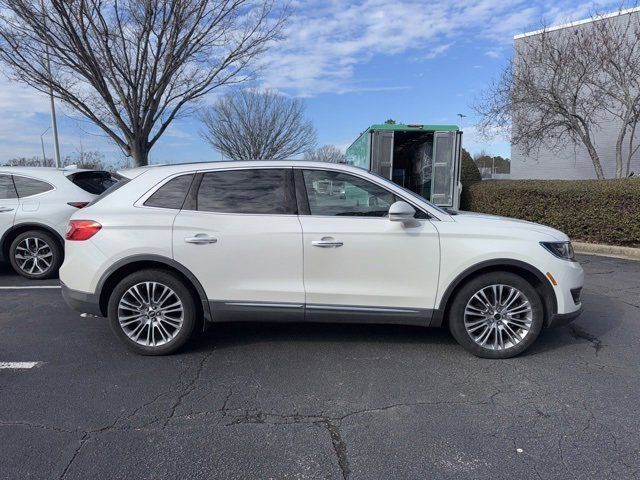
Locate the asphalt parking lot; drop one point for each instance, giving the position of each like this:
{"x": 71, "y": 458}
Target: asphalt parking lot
{"x": 321, "y": 401}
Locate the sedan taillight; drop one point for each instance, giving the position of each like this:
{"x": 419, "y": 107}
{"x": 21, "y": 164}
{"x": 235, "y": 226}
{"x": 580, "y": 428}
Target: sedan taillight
{"x": 82, "y": 229}
{"x": 78, "y": 204}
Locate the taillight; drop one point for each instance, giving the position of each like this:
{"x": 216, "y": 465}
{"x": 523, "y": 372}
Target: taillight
{"x": 78, "y": 204}
{"x": 82, "y": 229}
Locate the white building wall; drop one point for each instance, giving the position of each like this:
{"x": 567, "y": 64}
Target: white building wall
{"x": 572, "y": 162}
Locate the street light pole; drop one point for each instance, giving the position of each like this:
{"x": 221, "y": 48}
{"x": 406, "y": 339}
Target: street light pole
{"x": 44, "y": 156}
{"x": 54, "y": 123}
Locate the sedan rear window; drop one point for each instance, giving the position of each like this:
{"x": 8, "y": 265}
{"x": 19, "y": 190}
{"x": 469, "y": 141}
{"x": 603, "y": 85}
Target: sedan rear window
{"x": 95, "y": 182}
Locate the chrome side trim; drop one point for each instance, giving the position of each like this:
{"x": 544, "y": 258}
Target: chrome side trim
{"x": 266, "y": 304}
{"x": 361, "y": 309}
{"x": 239, "y": 311}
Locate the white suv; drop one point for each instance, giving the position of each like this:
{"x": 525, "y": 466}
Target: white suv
{"x": 237, "y": 241}
{"x": 35, "y": 206}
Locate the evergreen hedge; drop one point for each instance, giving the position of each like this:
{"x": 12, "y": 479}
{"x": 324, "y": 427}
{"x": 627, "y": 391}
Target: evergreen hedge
{"x": 596, "y": 211}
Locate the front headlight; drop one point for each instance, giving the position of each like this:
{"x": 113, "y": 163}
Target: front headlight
{"x": 563, "y": 250}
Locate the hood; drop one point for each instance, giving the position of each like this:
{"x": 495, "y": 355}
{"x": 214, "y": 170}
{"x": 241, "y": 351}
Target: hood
{"x": 517, "y": 227}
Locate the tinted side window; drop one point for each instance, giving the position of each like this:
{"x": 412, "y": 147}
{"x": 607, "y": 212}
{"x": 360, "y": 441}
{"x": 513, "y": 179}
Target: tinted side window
{"x": 260, "y": 191}
{"x": 340, "y": 194}
{"x": 7, "y": 190}
{"x": 93, "y": 182}
{"x": 27, "y": 187}
{"x": 171, "y": 194}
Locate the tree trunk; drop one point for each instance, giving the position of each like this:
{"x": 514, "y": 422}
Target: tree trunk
{"x": 595, "y": 158}
{"x": 139, "y": 153}
{"x": 619, "y": 142}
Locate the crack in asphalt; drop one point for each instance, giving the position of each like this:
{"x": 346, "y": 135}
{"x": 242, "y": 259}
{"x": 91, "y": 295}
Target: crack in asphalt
{"x": 580, "y": 334}
{"x": 188, "y": 389}
{"x": 339, "y": 447}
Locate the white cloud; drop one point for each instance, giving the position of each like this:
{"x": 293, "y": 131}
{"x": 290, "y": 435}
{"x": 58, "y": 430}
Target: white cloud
{"x": 492, "y": 53}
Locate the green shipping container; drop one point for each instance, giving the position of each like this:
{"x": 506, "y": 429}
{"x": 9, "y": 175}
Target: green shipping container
{"x": 422, "y": 158}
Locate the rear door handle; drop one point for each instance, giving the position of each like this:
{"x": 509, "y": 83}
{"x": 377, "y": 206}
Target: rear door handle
{"x": 5, "y": 209}
{"x": 201, "y": 239}
{"x": 327, "y": 242}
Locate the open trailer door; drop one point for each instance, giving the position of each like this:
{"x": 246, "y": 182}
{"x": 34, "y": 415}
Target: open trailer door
{"x": 444, "y": 183}
{"x": 382, "y": 153}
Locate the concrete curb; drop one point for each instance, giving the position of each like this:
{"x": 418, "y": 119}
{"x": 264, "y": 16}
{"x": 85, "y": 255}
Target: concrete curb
{"x": 615, "y": 251}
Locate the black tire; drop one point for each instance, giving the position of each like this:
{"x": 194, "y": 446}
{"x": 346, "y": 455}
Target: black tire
{"x": 189, "y": 312}
{"x": 48, "y": 247}
{"x": 464, "y": 295}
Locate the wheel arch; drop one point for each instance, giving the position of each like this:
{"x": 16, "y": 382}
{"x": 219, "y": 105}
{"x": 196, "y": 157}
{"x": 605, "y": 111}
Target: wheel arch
{"x": 530, "y": 273}
{"x": 124, "y": 267}
{"x": 15, "y": 230}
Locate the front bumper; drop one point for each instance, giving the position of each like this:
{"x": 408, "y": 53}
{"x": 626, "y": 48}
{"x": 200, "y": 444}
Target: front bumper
{"x": 81, "y": 301}
{"x": 561, "y": 319}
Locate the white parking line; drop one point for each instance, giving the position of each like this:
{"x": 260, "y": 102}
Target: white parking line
{"x": 29, "y": 287}
{"x": 18, "y": 365}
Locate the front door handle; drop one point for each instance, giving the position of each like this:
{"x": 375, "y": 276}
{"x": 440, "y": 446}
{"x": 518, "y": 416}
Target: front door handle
{"x": 5, "y": 209}
{"x": 327, "y": 242}
{"x": 201, "y": 239}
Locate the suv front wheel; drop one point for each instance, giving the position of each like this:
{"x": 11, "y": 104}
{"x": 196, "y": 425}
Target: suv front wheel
{"x": 152, "y": 312}
{"x": 496, "y": 315}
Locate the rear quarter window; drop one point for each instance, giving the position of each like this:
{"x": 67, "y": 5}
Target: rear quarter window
{"x": 7, "y": 190}
{"x": 172, "y": 194}
{"x": 28, "y": 187}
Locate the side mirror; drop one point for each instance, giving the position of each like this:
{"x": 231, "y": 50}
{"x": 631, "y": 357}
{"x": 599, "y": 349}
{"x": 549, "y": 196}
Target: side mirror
{"x": 401, "y": 212}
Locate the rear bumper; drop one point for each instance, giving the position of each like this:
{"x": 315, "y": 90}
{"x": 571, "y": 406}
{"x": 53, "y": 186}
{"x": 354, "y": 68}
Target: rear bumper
{"x": 81, "y": 301}
{"x": 561, "y": 319}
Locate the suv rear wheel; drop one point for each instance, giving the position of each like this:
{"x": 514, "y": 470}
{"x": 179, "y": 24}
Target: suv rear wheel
{"x": 35, "y": 255}
{"x": 152, "y": 312}
{"x": 496, "y": 315}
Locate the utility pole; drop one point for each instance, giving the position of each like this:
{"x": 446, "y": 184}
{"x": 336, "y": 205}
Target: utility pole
{"x": 44, "y": 156}
{"x": 54, "y": 123}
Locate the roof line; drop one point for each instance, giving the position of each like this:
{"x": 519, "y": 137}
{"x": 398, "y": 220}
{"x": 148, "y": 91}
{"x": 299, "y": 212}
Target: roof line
{"x": 578, "y": 22}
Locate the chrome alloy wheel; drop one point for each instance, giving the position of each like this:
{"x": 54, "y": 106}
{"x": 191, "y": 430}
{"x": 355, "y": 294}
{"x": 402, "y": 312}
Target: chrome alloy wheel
{"x": 498, "y": 317}
{"x": 150, "y": 314}
{"x": 34, "y": 256}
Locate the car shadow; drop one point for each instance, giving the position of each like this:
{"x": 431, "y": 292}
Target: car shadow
{"x": 228, "y": 335}
{"x": 8, "y": 277}
{"x": 601, "y": 314}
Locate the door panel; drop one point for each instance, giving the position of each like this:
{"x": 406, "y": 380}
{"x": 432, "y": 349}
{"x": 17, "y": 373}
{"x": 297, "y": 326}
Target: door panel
{"x": 242, "y": 258}
{"x": 243, "y": 241}
{"x": 355, "y": 256}
{"x": 379, "y": 264}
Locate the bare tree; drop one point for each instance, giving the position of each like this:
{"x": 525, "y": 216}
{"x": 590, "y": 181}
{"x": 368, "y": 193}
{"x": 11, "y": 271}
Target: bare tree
{"x": 545, "y": 98}
{"x": 258, "y": 125}
{"x": 327, "y": 154}
{"x": 132, "y": 66}
{"x": 617, "y": 47}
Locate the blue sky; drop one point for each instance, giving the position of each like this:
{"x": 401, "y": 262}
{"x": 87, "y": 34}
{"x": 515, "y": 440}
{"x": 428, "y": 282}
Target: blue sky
{"x": 355, "y": 63}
